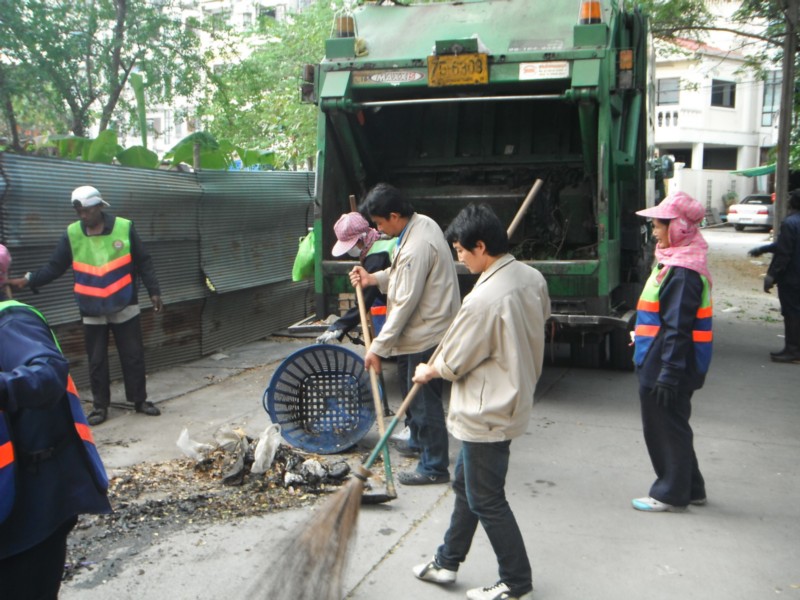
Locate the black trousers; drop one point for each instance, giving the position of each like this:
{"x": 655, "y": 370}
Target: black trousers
{"x": 670, "y": 443}
{"x": 128, "y": 338}
{"x": 36, "y": 573}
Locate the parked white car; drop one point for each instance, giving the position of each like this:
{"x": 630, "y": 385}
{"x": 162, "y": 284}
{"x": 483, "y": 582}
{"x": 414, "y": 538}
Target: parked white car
{"x": 756, "y": 210}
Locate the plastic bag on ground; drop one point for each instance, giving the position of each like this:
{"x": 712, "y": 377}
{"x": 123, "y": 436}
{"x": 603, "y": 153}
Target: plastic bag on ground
{"x": 190, "y": 448}
{"x": 229, "y": 439}
{"x": 266, "y": 448}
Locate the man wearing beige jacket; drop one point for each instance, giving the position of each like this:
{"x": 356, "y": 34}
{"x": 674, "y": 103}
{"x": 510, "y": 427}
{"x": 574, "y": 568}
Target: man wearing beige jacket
{"x": 493, "y": 354}
{"x": 422, "y": 297}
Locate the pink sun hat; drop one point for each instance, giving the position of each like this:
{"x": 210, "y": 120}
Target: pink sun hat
{"x": 674, "y": 206}
{"x": 350, "y": 228}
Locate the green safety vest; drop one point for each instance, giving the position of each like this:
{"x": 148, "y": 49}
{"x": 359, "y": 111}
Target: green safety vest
{"x": 103, "y": 268}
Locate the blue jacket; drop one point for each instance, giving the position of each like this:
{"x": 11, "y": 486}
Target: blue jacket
{"x": 33, "y": 378}
{"x": 671, "y": 356}
{"x": 785, "y": 265}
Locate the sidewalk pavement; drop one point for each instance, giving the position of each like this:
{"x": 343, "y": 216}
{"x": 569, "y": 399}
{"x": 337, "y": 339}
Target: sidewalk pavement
{"x": 570, "y": 483}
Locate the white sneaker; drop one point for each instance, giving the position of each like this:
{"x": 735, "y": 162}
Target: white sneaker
{"x": 403, "y": 436}
{"x": 649, "y": 504}
{"x": 431, "y": 571}
{"x": 498, "y": 591}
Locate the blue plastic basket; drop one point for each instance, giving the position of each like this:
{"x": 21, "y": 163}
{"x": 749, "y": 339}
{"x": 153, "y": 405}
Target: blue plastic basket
{"x": 321, "y": 398}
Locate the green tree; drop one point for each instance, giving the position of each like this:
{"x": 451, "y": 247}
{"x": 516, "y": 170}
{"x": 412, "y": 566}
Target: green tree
{"x": 773, "y": 25}
{"x": 257, "y": 101}
{"x": 78, "y": 56}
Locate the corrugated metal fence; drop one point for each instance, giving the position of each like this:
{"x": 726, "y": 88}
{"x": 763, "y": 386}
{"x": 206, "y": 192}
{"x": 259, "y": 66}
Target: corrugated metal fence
{"x": 223, "y": 244}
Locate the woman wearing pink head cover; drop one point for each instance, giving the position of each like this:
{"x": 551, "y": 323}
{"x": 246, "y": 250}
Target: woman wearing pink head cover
{"x": 673, "y": 351}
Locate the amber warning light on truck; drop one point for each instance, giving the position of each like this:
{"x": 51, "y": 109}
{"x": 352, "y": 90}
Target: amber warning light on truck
{"x": 590, "y": 12}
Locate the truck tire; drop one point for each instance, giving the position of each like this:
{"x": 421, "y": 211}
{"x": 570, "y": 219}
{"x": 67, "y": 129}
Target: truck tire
{"x": 587, "y": 354}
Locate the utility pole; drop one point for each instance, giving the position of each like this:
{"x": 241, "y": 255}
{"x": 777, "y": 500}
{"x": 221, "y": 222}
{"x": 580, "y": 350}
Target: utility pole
{"x": 790, "y": 11}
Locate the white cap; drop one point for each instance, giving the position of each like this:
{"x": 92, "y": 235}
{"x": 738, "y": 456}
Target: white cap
{"x": 87, "y": 196}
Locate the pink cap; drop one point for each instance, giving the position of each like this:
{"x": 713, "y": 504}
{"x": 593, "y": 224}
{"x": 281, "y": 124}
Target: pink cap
{"x": 5, "y": 263}
{"x": 674, "y": 206}
{"x": 350, "y": 228}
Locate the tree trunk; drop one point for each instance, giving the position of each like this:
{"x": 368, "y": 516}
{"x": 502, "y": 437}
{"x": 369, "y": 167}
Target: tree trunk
{"x": 8, "y": 111}
{"x": 786, "y": 120}
{"x": 121, "y": 10}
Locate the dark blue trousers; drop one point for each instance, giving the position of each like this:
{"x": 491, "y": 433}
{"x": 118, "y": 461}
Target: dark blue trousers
{"x": 670, "y": 443}
{"x": 427, "y": 421}
{"x": 130, "y": 347}
{"x": 36, "y": 573}
{"x": 479, "y": 487}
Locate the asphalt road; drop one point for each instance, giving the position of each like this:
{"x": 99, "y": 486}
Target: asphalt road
{"x": 570, "y": 483}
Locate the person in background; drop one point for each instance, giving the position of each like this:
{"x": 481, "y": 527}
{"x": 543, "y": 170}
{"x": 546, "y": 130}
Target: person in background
{"x": 784, "y": 270}
{"x": 493, "y": 353}
{"x": 357, "y": 239}
{"x": 50, "y": 471}
{"x": 107, "y": 257}
{"x": 422, "y": 297}
{"x": 673, "y": 344}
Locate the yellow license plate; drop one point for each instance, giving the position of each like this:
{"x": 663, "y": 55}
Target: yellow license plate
{"x": 457, "y": 69}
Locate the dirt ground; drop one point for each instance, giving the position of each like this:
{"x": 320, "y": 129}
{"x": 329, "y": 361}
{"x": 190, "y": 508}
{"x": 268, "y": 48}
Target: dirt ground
{"x": 738, "y": 278}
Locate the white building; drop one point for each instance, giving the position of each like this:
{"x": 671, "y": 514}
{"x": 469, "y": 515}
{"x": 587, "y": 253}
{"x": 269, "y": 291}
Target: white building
{"x": 714, "y": 116}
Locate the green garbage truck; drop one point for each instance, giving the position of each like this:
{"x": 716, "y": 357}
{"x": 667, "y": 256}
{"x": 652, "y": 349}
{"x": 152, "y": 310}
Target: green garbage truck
{"x": 474, "y": 101}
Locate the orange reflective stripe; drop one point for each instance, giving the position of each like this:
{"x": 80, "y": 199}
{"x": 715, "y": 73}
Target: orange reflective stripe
{"x": 84, "y": 432}
{"x": 648, "y": 305}
{"x": 647, "y": 330}
{"x": 105, "y": 292}
{"x": 6, "y": 454}
{"x": 71, "y": 386}
{"x": 378, "y": 310}
{"x": 102, "y": 269}
{"x": 702, "y": 336}
{"x": 704, "y": 312}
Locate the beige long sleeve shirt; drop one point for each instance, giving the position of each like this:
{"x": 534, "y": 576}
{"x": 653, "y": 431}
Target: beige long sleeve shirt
{"x": 421, "y": 288}
{"x": 493, "y": 353}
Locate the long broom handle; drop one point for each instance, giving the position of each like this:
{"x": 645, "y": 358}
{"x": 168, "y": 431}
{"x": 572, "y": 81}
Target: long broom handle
{"x": 373, "y": 376}
{"x": 399, "y": 414}
{"x": 524, "y": 208}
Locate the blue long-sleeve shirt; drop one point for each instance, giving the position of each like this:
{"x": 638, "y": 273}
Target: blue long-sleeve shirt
{"x": 33, "y": 376}
{"x": 670, "y": 359}
{"x": 785, "y": 265}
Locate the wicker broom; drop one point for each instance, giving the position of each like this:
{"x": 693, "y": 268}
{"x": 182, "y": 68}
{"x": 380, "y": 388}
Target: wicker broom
{"x": 313, "y": 563}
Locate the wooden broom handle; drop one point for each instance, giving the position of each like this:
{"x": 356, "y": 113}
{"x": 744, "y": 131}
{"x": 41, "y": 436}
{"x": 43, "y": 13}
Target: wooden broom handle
{"x": 524, "y": 208}
{"x": 373, "y": 376}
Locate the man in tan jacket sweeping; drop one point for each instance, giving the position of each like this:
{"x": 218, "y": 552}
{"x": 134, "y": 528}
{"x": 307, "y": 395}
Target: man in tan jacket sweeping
{"x": 422, "y": 297}
{"x": 493, "y": 354}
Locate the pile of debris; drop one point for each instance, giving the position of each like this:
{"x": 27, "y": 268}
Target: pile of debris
{"x": 220, "y": 482}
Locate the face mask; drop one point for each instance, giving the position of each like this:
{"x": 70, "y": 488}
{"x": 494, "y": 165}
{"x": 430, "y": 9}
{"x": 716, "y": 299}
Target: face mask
{"x": 355, "y": 252}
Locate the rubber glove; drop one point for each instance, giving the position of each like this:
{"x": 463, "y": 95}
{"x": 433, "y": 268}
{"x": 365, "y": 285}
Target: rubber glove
{"x": 332, "y": 335}
{"x": 665, "y": 394}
